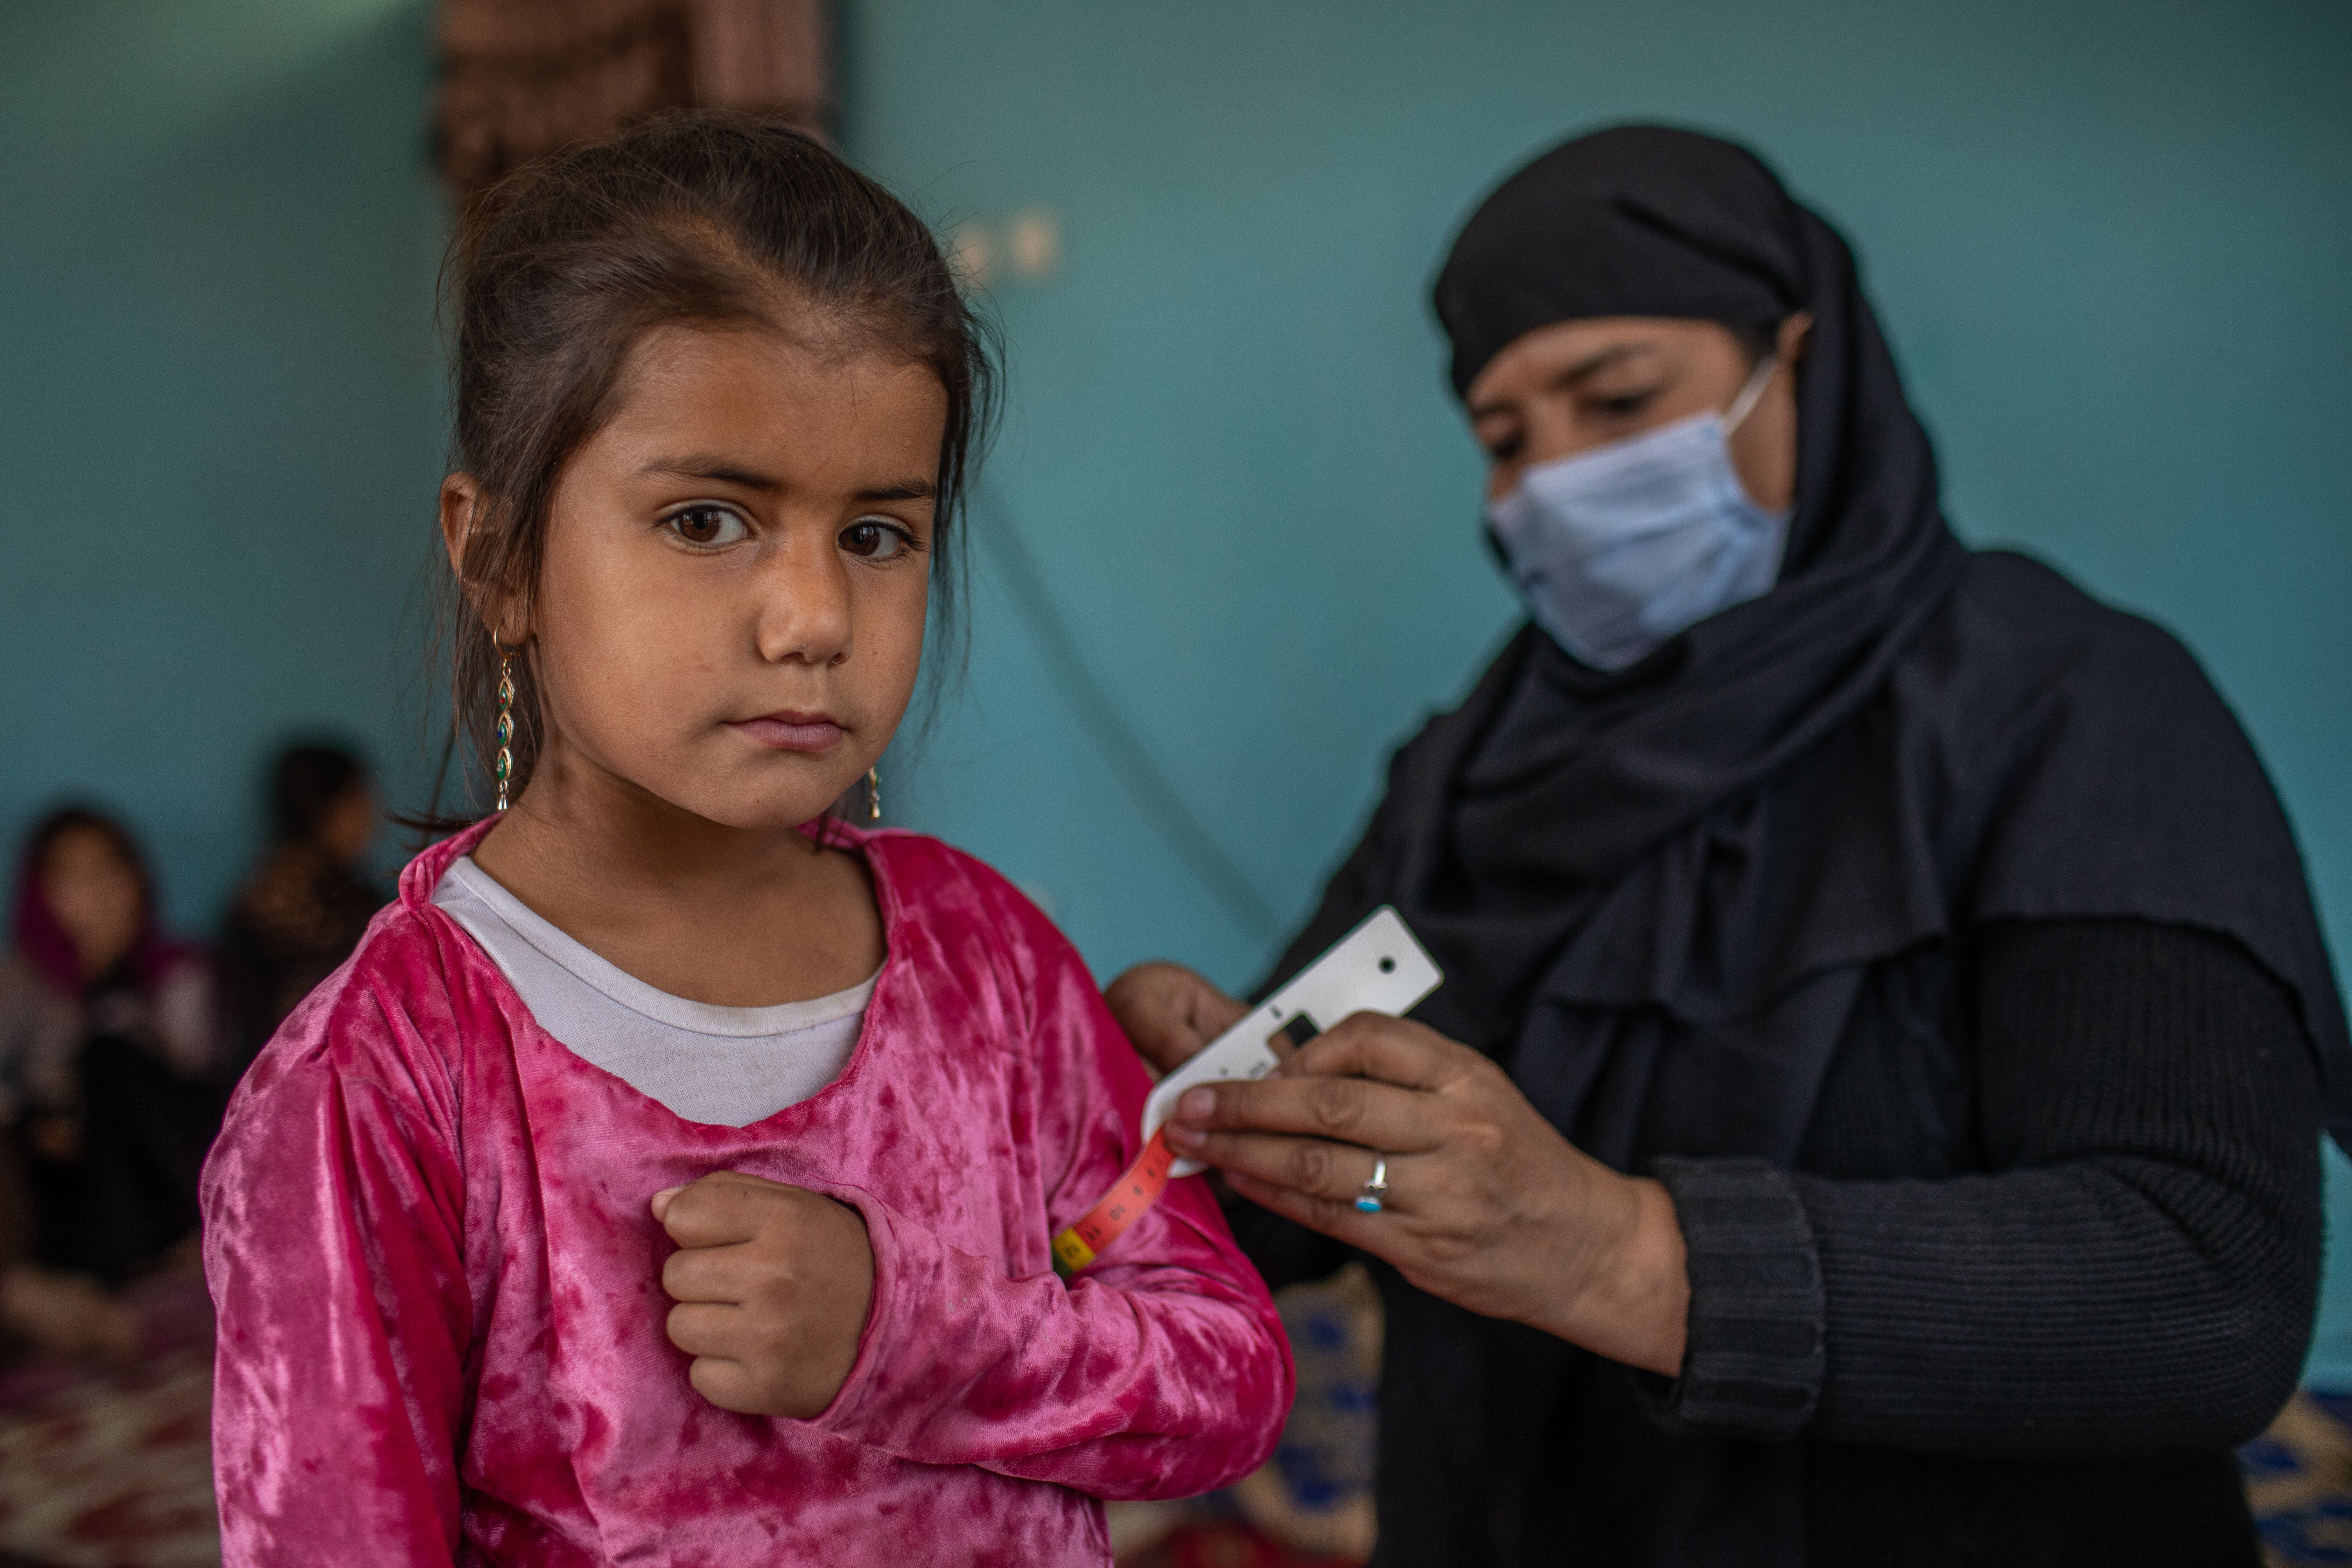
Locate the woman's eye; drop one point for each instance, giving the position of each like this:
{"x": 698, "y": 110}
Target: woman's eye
{"x": 1624, "y": 406}
{"x": 871, "y": 540}
{"x": 708, "y": 525}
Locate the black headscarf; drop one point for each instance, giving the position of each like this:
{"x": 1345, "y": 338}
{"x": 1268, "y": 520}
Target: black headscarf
{"x": 1655, "y": 893}
{"x": 1653, "y": 890}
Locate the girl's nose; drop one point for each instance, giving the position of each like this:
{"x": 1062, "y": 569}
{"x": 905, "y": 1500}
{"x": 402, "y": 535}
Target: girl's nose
{"x": 803, "y": 605}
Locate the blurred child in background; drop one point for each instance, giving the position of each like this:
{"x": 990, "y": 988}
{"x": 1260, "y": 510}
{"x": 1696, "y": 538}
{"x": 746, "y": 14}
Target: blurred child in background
{"x": 106, "y": 1047}
{"x": 307, "y": 903}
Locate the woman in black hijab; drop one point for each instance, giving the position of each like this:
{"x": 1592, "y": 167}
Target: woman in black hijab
{"x": 1871, "y": 1116}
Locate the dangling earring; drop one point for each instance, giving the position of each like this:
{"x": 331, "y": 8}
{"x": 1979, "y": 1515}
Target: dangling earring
{"x": 503, "y": 768}
{"x": 874, "y": 795}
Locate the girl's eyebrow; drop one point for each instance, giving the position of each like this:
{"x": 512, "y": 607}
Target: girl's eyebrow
{"x": 721, "y": 471}
{"x": 905, "y": 489}
{"x": 717, "y": 469}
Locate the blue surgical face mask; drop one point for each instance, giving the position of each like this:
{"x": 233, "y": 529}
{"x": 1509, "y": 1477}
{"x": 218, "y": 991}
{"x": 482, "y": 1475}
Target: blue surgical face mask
{"x": 1617, "y": 548}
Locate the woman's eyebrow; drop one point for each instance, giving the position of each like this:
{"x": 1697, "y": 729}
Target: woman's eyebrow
{"x": 1593, "y": 364}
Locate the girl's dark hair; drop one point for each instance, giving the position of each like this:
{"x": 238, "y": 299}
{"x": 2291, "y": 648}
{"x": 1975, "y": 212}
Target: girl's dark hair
{"x": 305, "y": 784}
{"x": 704, "y": 218}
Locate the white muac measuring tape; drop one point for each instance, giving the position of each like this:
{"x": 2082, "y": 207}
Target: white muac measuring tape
{"x": 1376, "y": 968}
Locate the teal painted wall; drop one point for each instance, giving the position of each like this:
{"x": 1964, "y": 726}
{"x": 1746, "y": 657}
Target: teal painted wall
{"x": 2110, "y": 242}
{"x": 218, "y": 415}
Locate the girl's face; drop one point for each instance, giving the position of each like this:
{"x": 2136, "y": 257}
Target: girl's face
{"x": 729, "y": 612}
{"x": 95, "y": 896}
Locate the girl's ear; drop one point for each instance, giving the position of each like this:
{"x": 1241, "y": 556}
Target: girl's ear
{"x": 461, "y": 517}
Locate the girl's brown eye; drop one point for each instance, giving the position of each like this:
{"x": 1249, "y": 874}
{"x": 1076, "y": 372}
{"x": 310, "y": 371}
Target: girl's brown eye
{"x": 708, "y": 525}
{"x": 873, "y": 541}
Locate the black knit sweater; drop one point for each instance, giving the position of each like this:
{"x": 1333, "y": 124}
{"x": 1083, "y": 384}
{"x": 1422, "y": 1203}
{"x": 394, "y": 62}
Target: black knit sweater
{"x": 2050, "y": 1251}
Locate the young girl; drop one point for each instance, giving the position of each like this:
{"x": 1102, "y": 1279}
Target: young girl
{"x": 669, "y": 1175}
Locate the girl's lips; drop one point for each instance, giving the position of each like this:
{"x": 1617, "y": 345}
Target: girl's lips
{"x": 790, "y": 731}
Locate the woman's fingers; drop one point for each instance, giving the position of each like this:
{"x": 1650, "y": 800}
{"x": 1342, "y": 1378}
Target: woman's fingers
{"x": 1348, "y": 1109}
{"x": 1336, "y": 1217}
{"x": 1489, "y": 1206}
{"x": 1170, "y": 1013}
{"x": 1393, "y": 1050}
{"x": 1368, "y": 1083}
{"x": 1309, "y": 1166}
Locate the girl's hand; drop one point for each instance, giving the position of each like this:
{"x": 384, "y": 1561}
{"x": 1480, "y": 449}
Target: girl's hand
{"x": 1170, "y": 1012}
{"x": 1487, "y": 1208}
{"x": 773, "y": 1284}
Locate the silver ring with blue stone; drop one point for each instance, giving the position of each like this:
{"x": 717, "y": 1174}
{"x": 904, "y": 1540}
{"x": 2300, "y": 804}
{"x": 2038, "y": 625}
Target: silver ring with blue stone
{"x": 1376, "y": 1191}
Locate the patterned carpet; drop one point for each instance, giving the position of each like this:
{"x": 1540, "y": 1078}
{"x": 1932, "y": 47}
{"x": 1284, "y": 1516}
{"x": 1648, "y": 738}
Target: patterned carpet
{"x": 2299, "y": 1478}
{"x": 113, "y": 1469}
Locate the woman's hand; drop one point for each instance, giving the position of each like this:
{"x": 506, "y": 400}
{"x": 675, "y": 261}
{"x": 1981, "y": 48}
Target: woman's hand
{"x": 1170, "y": 1012}
{"x": 1488, "y": 1207}
{"x": 773, "y": 1284}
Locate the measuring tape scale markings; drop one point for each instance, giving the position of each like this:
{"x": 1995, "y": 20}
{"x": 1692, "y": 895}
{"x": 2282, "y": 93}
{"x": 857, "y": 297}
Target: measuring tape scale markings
{"x": 1379, "y": 968}
{"x": 1137, "y": 1189}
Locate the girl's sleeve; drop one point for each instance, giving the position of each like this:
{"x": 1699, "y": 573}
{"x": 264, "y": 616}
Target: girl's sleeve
{"x": 1161, "y": 1371}
{"x": 333, "y": 1249}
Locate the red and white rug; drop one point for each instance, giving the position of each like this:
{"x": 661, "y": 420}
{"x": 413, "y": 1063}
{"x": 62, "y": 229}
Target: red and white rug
{"x": 113, "y": 1469}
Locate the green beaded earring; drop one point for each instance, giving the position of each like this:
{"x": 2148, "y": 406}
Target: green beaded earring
{"x": 503, "y": 768}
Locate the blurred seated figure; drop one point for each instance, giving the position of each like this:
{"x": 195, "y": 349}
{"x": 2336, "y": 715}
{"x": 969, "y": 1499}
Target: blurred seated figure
{"x": 303, "y": 909}
{"x": 106, "y": 1045}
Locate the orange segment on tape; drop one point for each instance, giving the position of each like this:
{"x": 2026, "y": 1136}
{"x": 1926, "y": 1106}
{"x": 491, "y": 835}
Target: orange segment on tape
{"x": 1137, "y": 1189}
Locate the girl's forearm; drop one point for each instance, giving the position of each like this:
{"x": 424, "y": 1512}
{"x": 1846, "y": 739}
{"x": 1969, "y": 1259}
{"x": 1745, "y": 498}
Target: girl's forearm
{"x": 1149, "y": 1378}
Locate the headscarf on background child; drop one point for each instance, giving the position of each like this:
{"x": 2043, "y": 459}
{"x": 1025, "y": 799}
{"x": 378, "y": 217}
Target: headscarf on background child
{"x": 107, "y": 1037}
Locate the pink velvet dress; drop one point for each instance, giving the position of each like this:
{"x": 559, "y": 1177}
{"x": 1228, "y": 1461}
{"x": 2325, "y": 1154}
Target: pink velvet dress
{"x": 441, "y": 1318}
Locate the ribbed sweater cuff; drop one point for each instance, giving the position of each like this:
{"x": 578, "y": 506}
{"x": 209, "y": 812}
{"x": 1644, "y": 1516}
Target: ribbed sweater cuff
{"x": 1754, "y": 1355}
